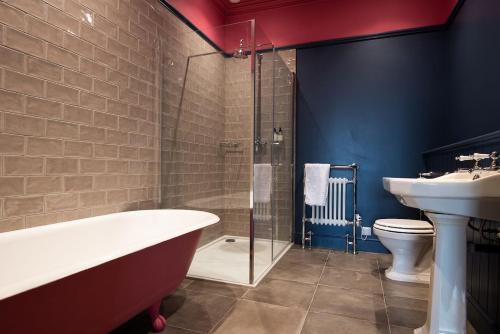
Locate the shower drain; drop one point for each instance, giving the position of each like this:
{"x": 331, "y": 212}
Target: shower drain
{"x": 230, "y": 240}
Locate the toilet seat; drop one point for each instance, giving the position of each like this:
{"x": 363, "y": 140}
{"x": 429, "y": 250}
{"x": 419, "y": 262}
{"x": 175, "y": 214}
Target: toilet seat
{"x": 405, "y": 226}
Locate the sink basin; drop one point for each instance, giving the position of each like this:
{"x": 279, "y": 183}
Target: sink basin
{"x": 449, "y": 201}
{"x": 475, "y": 194}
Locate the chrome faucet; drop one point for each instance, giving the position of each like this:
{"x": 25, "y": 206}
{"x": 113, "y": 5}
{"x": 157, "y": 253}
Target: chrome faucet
{"x": 478, "y": 157}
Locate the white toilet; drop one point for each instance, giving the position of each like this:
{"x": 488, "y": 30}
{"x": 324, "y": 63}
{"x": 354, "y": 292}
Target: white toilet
{"x": 410, "y": 242}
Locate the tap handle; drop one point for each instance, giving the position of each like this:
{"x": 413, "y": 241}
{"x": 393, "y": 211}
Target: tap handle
{"x": 480, "y": 156}
{"x": 494, "y": 158}
{"x": 464, "y": 158}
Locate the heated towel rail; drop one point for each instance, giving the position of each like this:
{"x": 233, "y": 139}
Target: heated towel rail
{"x": 334, "y": 212}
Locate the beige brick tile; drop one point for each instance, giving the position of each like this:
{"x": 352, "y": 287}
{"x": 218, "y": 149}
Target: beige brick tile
{"x": 139, "y": 86}
{"x": 62, "y": 20}
{"x": 117, "y": 196}
{"x": 77, "y": 149}
{"x": 102, "y": 182}
{"x": 115, "y": 17}
{"x": 117, "y": 48}
{"x": 43, "y": 108}
{"x": 61, "y": 202}
{"x": 119, "y": 78}
{"x": 77, "y": 183}
{"x": 63, "y": 57}
{"x": 138, "y": 140}
{"x": 43, "y": 219}
{"x": 92, "y": 101}
{"x": 11, "y": 224}
{"x": 44, "y": 69}
{"x": 105, "y": 120}
{"x": 57, "y": 129}
{"x": 11, "y": 186}
{"x": 105, "y": 89}
{"x": 128, "y": 181}
{"x": 34, "y": 7}
{"x": 76, "y": 214}
{"x": 10, "y": 101}
{"x": 92, "y": 166}
{"x": 10, "y": 144}
{"x": 78, "y": 45}
{"x": 42, "y": 146}
{"x": 127, "y": 124}
{"x": 23, "y": 83}
{"x": 116, "y": 137}
{"x": 11, "y": 16}
{"x": 139, "y": 194}
{"x": 129, "y": 96}
{"x": 24, "y": 125}
{"x": 91, "y": 35}
{"x": 106, "y": 151}
{"x": 61, "y": 166}
{"x": 117, "y": 166}
{"x": 62, "y": 93}
{"x": 127, "y": 67}
{"x": 146, "y": 102}
{"x": 81, "y": 13}
{"x": 43, "y": 184}
{"x": 94, "y": 198}
{"x": 16, "y": 165}
{"x": 137, "y": 112}
{"x": 137, "y": 31}
{"x": 125, "y": 152}
{"x": 117, "y": 108}
{"x": 17, "y": 206}
{"x": 92, "y": 134}
{"x": 41, "y": 29}
{"x": 77, "y": 79}
{"x": 146, "y": 154}
{"x": 106, "y": 58}
{"x": 97, "y": 6}
{"x": 56, "y": 3}
{"x": 105, "y": 26}
{"x": 12, "y": 59}
{"x": 91, "y": 68}
{"x": 77, "y": 114}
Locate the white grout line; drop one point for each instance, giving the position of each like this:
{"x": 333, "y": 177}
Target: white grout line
{"x": 383, "y": 296}
{"x": 314, "y": 293}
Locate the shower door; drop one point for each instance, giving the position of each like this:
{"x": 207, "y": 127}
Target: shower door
{"x": 273, "y": 158}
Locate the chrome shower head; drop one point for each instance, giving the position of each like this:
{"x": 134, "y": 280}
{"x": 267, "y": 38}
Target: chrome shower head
{"x": 240, "y": 52}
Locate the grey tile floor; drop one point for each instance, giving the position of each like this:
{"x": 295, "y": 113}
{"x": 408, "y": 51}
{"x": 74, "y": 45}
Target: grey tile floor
{"x": 308, "y": 292}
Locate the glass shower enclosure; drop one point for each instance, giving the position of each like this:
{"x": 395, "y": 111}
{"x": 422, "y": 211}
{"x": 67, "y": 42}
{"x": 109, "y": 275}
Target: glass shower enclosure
{"x": 227, "y": 145}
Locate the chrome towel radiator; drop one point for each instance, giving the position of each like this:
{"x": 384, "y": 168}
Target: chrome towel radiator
{"x": 334, "y": 212}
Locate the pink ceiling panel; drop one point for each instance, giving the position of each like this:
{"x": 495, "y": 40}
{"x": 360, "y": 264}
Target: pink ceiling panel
{"x": 296, "y": 22}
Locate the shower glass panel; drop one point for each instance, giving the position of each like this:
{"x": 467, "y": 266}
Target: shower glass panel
{"x": 208, "y": 145}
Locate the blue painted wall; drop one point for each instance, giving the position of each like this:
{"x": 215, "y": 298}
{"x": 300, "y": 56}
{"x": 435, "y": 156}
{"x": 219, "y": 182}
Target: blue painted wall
{"x": 474, "y": 65}
{"x": 381, "y": 103}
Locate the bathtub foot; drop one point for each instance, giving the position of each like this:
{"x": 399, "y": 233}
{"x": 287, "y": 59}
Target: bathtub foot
{"x": 158, "y": 322}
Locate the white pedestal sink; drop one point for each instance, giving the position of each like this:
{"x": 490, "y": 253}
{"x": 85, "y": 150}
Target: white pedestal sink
{"x": 449, "y": 201}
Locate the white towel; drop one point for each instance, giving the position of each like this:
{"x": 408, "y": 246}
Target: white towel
{"x": 262, "y": 183}
{"x": 316, "y": 184}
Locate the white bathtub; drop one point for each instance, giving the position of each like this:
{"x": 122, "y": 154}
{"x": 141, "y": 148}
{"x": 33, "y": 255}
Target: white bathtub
{"x": 42, "y": 257}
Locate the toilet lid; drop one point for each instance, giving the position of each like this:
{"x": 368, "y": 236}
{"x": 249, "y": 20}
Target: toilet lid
{"x": 404, "y": 226}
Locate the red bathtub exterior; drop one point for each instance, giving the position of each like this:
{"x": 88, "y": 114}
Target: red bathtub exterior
{"x": 99, "y": 299}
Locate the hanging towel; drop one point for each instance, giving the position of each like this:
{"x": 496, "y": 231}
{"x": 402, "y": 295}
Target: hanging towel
{"x": 262, "y": 183}
{"x": 316, "y": 184}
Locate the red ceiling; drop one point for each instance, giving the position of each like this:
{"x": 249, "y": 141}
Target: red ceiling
{"x": 296, "y": 22}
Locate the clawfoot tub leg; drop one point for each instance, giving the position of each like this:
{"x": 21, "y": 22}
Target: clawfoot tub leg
{"x": 158, "y": 322}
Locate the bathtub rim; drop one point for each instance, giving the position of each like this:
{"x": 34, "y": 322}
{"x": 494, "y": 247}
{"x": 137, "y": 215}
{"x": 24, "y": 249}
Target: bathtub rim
{"x": 22, "y": 285}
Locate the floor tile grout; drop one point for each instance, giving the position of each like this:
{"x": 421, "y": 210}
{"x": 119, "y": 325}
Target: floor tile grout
{"x": 301, "y": 328}
{"x": 383, "y": 296}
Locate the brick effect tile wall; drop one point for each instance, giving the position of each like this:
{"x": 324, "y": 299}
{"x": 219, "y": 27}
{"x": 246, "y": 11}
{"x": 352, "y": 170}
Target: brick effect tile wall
{"x": 79, "y": 108}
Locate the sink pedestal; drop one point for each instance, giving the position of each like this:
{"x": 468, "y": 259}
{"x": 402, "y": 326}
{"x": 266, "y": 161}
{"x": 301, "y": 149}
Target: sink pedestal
{"x": 446, "y": 311}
